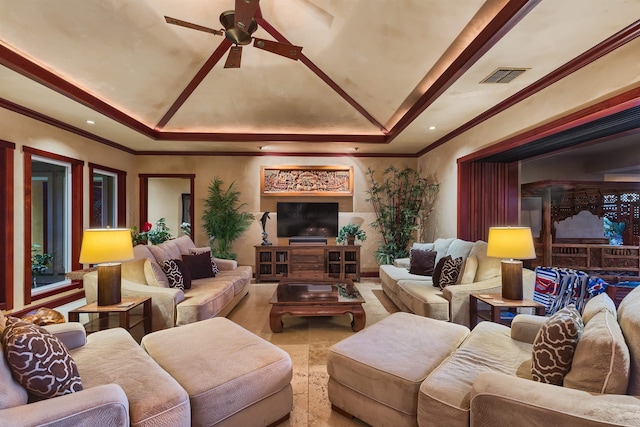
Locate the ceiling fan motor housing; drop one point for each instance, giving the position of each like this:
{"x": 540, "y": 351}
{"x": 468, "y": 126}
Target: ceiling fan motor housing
{"x": 233, "y": 33}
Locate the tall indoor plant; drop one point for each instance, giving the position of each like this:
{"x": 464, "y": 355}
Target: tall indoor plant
{"x": 398, "y": 201}
{"x": 222, "y": 219}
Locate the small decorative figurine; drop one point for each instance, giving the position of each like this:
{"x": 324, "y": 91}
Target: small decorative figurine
{"x": 265, "y": 236}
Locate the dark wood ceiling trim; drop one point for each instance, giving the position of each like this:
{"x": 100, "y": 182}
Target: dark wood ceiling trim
{"x": 596, "y": 111}
{"x": 322, "y": 75}
{"x": 195, "y": 82}
{"x": 609, "y": 45}
{"x": 265, "y": 137}
{"x": 60, "y": 125}
{"x": 35, "y": 72}
{"x": 500, "y": 25}
{"x": 271, "y": 153}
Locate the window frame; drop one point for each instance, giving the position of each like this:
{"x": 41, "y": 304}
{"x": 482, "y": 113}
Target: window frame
{"x": 76, "y": 227}
{"x": 7, "y": 150}
{"x": 121, "y": 191}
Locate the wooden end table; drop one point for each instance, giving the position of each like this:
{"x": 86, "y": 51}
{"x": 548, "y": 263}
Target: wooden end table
{"x": 314, "y": 296}
{"x": 497, "y": 306}
{"x": 117, "y": 315}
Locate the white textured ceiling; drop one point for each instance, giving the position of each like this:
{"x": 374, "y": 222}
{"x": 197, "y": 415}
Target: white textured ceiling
{"x": 367, "y": 63}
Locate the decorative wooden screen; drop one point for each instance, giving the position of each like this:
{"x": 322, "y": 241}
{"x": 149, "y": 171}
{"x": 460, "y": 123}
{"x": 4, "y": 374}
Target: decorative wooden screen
{"x": 306, "y": 180}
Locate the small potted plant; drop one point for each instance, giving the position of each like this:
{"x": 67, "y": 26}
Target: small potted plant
{"x": 349, "y": 233}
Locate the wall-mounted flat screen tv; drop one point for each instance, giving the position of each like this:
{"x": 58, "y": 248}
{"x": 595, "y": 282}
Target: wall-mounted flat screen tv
{"x": 307, "y": 219}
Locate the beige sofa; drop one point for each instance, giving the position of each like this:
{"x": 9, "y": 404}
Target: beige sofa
{"x": 169, "y": 384}
{"x": 208, "y": 297}
{"x": 416, "y": 294}
{"x": 408, "y": 370}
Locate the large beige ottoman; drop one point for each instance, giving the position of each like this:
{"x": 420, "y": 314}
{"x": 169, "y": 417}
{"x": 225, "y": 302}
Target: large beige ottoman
{"x": 232, "y": 376}
{"x": 375, "y": 375}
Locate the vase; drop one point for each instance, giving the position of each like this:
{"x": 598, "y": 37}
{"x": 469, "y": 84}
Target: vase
{"x": 351, "y": 240}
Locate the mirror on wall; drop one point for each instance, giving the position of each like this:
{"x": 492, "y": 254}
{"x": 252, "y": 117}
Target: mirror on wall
{"x": 167, "y": 196}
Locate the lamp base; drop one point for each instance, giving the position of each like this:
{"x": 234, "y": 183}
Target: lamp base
{"x": 109, "y": 284}
{"x": 512, "y": 279}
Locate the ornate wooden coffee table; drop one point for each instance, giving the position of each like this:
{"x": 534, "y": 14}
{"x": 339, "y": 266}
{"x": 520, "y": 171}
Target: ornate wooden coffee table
{"x": 316, "y": 297}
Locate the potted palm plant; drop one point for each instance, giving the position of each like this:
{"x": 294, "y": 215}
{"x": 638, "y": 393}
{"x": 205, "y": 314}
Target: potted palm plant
{"x": 349, "y": 233}
{"x": 222, "y": 219}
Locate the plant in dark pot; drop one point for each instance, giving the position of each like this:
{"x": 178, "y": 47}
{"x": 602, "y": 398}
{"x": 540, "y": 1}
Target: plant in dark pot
{"x": 349, "y": 233}
{"x": 40, "y": 262}
{"x": 223, "y": 220}
{"x": 398, "y": 201}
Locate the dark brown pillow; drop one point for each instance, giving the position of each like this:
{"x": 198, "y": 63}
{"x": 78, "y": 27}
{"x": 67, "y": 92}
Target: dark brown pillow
{"x": 422, "y": 261}
{"x": 39, "y": 361}
{"x": 555, "y": 344}
{"x": 437, "y": 270}
{"x": 199, "y": 265}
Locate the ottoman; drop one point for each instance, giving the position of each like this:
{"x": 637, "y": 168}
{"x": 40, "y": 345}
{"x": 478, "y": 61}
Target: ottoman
{"x": 232, "y": 376}
{"x": 375, "y": 375}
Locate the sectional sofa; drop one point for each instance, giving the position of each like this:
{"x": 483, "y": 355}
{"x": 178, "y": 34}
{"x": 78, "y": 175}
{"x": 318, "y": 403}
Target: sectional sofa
{"x": 415, "y": 293}
{"x": 208, "y": 297}
{"x": 408, "y": 370}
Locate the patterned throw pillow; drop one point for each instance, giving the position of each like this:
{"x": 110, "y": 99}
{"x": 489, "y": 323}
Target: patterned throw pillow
{"x": 422, "y": 262}
{"x": 450, "y": 272}
{"x": 206, "y": 249}
{"x": 555, "y": 344}
{"x": 39, "y": 361}
{"x": 177, "y": 274}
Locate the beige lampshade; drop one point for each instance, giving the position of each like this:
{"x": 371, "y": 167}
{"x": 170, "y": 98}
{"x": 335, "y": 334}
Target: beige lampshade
{"x": 511, "y": 242}
{"x": 102, "y": 245}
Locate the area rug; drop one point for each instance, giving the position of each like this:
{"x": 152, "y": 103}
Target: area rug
{"x": 385, "y": 301}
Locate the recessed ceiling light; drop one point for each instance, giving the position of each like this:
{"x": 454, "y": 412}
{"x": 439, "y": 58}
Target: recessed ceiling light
{"x": 91, "y": 122}
{"x": 432, "y": 128}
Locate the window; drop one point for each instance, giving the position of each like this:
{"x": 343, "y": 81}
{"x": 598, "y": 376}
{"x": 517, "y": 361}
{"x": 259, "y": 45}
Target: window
{"x": 53, "y": 222}
{"x": 107, "y": 197}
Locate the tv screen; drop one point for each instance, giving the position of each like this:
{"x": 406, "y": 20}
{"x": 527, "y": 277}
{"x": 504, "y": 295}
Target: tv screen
{"x": 307, "y": 219}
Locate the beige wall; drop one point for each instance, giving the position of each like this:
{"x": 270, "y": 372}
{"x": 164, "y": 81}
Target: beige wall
{"x": 245, "y": 171}
{"x": 615, "y": 73}
{"x": 23, "y": 131}
{"x": 165, "y": 201}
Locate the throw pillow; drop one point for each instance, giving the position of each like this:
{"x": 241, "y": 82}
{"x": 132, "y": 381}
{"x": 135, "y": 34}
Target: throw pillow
{"x": 555, "y": 344}
{"x": 422, "y": 262}
{"x": 154, "y": 274}
{"x": 206, "y": 249}
{"x": 177, "y": 274}
{"x": 601, "y": 362}
{"x": 39, "y": 361}
{"x": 199, "y": 266}
{"x": 450, "y": 271}
{"x": 437, "y": 270}
{"x": 469, "y": 271}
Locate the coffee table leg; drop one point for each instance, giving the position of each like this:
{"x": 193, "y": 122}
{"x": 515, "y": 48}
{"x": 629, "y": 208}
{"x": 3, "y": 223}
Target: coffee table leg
{"x": 275, "y": 319}
{"x": 359, "y": 319}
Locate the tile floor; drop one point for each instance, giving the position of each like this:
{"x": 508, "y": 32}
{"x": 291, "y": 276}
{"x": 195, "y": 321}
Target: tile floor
{"x": 307, "y": 339}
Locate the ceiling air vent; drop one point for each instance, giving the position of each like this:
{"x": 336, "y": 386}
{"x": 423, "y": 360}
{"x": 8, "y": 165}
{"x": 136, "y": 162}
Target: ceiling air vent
{"x": 504, "y": 75}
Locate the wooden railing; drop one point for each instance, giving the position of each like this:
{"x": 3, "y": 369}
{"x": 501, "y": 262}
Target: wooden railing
{"x": 593, "y": 258}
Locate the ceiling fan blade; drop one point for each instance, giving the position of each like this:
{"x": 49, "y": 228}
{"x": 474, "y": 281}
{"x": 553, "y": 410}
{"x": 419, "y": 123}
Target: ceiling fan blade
{"x": 283, "y": 49}
{"x": 234, "y": 57}
{"x": 186, "y": 24}
{"x": 244, "y": 12}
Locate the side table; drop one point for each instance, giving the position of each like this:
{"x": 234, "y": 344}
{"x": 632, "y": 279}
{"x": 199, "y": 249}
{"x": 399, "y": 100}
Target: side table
{"x": 111, "y": 316}
{"x": 500, "y": 310}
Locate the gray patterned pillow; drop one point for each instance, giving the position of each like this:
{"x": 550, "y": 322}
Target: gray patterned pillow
{"x": 555, "y": 344}
{"x": 39, "y": 361}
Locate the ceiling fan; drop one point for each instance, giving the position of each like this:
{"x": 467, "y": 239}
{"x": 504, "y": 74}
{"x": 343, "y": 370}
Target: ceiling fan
{"x": 239, "y": 25}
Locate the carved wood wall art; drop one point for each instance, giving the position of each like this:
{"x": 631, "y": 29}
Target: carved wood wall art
{"x": 306, "y": 180}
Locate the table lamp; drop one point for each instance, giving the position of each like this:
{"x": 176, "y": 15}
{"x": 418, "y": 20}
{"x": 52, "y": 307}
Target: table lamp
{"x": 514, "y": 243}
{"x": 106, "y": 247}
